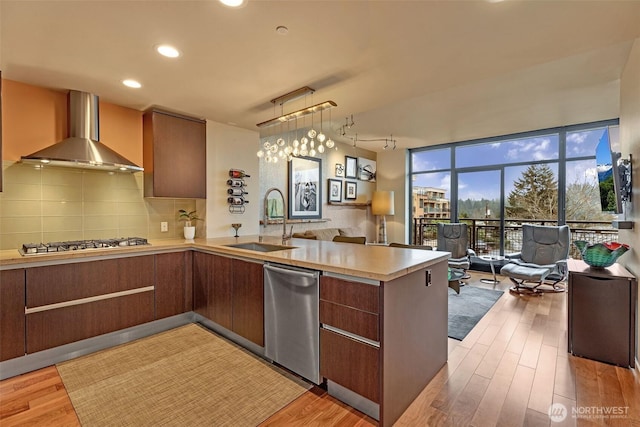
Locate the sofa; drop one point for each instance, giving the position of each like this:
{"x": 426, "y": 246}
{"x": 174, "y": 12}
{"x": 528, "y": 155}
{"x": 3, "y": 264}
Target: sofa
{"x": 328, "y": 233}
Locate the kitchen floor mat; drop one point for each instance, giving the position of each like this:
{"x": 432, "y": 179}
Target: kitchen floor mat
{"x": 186, "y": 376}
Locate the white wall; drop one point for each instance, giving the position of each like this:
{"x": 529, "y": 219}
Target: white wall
{"x": 392, "y": 176}
{"x": 230, "y": 147}
{"x": 276, "y": 175}
{"x": 630, "y": 144}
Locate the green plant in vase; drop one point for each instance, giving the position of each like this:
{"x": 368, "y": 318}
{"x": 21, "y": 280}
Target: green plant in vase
{"x": 188, "y": 218}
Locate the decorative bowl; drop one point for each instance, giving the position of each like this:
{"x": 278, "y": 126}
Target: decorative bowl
{"x": 600, "y": 255}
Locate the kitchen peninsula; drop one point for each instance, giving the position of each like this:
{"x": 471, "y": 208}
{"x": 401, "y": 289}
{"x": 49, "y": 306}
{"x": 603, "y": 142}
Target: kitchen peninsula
{"x": 383, "y": 311}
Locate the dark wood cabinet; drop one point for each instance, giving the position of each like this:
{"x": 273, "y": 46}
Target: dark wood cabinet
{"x": 230, "y": 292}
{"x": 352, "y": 307}
{"x": 212, "y": 288}
{"x": 174, "y": 291}
{"x": 202, "y": 267}
{"x": 221, "y": 292}
{"x": 52, "y": 328}
{"x": 351, "y": 363}
{"x": 174, "y": 151}
{"x": 12, "y": 317}
{"x": 248, "y": 300}
{"x": 602, "y": 313}
{"x": 71, "y": 302}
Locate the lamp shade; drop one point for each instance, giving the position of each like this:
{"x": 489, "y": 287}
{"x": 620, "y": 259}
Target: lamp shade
{"x": 382, "y": 203}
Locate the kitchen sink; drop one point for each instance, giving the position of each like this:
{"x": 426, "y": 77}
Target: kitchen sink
{"x": 260, "y": 247}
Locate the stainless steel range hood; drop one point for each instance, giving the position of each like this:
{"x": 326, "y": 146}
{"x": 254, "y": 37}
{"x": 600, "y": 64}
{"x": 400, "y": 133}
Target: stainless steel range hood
{"x": 83, "y": 148}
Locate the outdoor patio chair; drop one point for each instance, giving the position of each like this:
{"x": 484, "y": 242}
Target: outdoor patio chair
{"x": 542, "y": 261}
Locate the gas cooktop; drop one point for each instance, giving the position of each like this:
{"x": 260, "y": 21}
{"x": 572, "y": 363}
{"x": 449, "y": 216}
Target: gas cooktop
{"x": 76, "y": 245}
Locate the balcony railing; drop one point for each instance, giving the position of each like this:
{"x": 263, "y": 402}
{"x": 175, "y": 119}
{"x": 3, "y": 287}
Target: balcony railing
{"x": 484, "y": 234}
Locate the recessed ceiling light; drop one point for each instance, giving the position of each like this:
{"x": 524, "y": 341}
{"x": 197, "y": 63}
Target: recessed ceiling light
{"x": 132, "y": 83}
{"x": 282, "y": 30}
{"x": 168, "y": 51}
{"x": 233, "y": 3}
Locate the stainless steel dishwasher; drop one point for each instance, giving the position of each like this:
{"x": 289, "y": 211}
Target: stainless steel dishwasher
{"x": 291, "y": 325}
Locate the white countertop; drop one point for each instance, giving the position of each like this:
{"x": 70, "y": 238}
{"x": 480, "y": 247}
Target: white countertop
{"x": 368, "y": 261}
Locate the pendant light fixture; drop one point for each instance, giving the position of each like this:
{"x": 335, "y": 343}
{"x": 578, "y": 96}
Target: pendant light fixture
{"x": 305, "y": 146}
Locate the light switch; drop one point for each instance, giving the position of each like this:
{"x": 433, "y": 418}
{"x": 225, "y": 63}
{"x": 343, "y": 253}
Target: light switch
{"x": 164, "y": 226}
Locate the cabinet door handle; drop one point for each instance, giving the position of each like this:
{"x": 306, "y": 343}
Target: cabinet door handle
{"x": 427, "y": 278}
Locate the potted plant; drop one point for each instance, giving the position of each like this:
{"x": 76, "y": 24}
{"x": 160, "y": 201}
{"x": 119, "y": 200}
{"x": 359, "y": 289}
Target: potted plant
{"x": 189, "y": 228}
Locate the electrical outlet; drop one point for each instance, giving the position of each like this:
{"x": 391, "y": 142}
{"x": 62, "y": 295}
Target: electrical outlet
{"x": 164, "y": 226}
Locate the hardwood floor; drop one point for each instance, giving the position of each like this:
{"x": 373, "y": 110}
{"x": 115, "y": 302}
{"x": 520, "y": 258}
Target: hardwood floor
{"x": 507, "y": 372}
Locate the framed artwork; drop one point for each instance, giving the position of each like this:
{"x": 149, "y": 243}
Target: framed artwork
{"x": 305, "y": 188}
{"x": 366, "y": 169}
{"x": 350, "y": 190}
{"x": 339, "y": 170}
{"x": 335, "y": 190}
{"x": 350, "y": 167}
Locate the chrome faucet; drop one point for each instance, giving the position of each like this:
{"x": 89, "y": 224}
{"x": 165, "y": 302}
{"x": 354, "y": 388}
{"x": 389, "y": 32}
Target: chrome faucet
{"x": 285, "y": 236}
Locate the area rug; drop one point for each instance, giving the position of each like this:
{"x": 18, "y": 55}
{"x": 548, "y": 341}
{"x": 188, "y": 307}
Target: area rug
{"x": 183, "y": 377}
{"x": 468, "y": 307}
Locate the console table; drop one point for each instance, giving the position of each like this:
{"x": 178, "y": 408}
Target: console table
{"x": 602, "y": 313}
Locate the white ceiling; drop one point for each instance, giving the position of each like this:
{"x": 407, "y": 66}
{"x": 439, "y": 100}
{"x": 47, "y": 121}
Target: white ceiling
{"x": 425, "y": 71}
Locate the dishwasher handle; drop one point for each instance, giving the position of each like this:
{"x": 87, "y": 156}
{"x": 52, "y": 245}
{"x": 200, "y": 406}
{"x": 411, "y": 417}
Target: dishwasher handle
{"x": 299, "y": 272}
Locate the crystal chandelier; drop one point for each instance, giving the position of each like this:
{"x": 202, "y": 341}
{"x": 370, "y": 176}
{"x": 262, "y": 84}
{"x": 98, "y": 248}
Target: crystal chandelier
{"x": 312, "y": 143}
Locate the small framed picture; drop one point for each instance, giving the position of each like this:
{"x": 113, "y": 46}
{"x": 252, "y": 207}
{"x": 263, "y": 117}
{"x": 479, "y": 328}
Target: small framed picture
{"x": 351, "y": 167}
{"x": 339, "y": 170}
{"x": 366, "y": 169}
{"x": 350, "y": 190}
{"x": 335, "y": 190}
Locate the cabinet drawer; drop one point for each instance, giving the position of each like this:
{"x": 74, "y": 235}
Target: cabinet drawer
{"x": 67, "y": 282}
{"x": 358, "y": 295}
{"x": 350, "y": 363}
{"x": 51, "y": 328}
{"x": 349, "y": 319}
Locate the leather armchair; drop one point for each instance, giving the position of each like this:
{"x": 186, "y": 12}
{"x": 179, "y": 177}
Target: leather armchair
{"x": 454, "y": 238}
{"x": 542, "y": 260}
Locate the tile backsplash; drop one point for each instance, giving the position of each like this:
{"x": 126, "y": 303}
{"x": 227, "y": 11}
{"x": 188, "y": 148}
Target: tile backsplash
{"x": 56, "y": 204}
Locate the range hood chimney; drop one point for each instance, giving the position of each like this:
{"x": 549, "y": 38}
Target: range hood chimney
{"x": 83, "y": 148}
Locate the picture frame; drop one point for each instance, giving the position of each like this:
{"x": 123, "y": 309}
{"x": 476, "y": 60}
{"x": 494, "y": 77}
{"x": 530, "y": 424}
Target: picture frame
{"x": 366, "y": 169}
{"x": 335, "y": 190}
{"x": 339, "y": 170}
{"x": 305, "y": 188}
{"x": 350, "y": 167}
{"x": 350, "y": 190}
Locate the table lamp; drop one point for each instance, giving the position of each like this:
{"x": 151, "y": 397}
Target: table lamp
{"x": 382, "y": 204}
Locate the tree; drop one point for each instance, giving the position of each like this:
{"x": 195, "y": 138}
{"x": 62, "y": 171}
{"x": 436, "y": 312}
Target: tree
{"x": 583, "y": 202}
{"x": 535, "y": 194}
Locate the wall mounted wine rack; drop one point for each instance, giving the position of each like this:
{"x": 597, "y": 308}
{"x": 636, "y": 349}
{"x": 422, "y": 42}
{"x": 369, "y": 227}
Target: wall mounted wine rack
{"x": 237, "y": 191}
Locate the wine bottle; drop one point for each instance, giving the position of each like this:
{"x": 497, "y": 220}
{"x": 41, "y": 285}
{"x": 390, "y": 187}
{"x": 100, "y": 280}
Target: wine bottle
{"x": 235, "y": 182}
{"x": 238, "y": 173}
{"x": 237, "y": 200}
{"x": 236, "y": 191}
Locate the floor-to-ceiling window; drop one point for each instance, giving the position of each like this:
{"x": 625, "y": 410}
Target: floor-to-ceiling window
{"x": 496, "y": 184}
